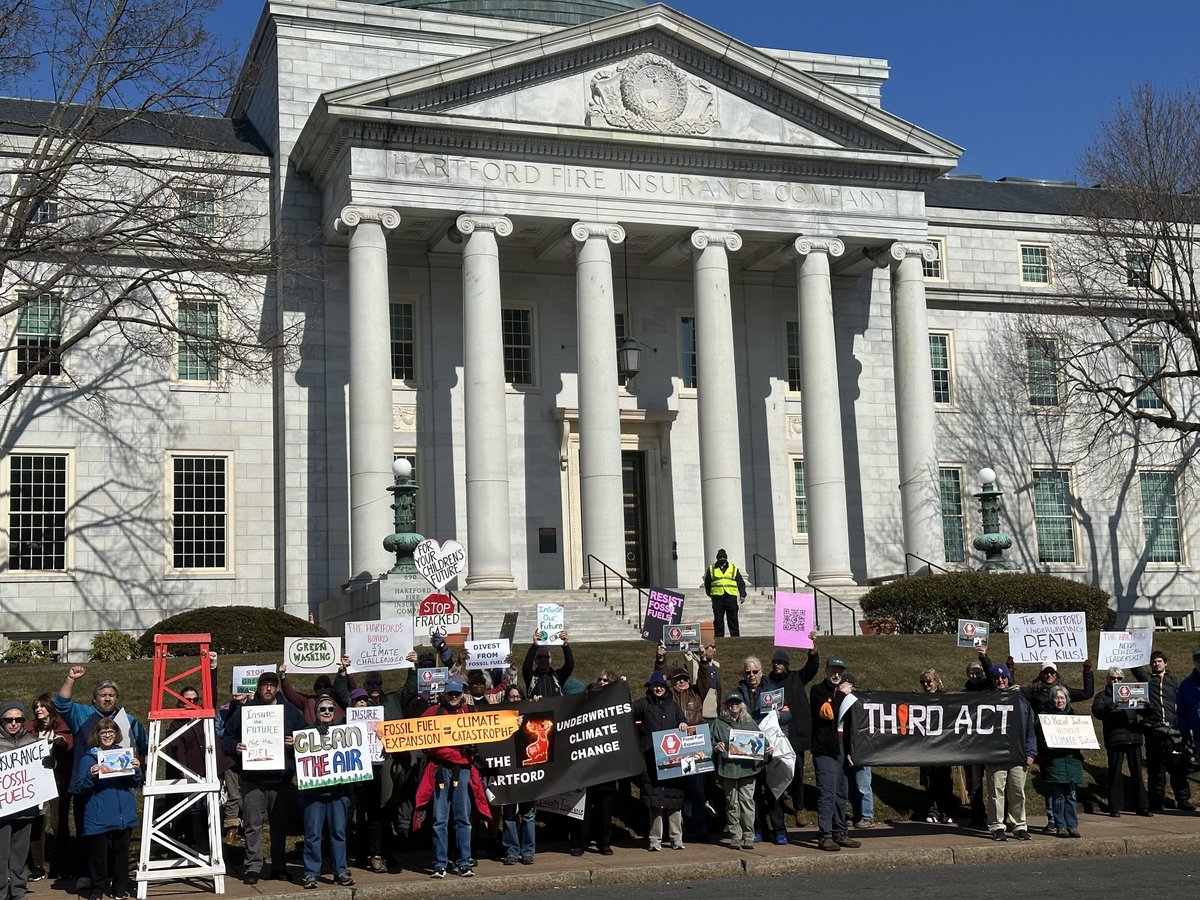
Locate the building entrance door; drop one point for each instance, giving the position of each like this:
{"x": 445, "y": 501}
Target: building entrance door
{"x": 637, "y": 557}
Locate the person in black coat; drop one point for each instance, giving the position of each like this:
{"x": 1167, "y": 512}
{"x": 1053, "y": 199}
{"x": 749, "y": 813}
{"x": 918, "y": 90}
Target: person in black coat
{"x": 1123, "y": 741}
{"x": 658, "y": 712}
{"x": 798, "y": 729}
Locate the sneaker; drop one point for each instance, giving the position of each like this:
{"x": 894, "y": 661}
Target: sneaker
{"x": 1060, "y": 832}
{"x": 438, "y": 873}
{"x": 376, "y": 865}
{"x": 844, "y": 840}
{"x": 757, "y": 838}
{"x": 865, "y": 823}
{"x": 466, "y": 872}
{"x": 512, "y": 860}
{"x": 345, "y": 879}
{"x": 310, "y": 882}
{"x": 999, "y": 835}
{"x": 782, "y": 839}
{"x": 735, "y": 844}
{"x": 826, "y": 842}
{"x": 747, "y": 844}
{"x": 654, "y": 848}
{"x": 1073, "y": 833}
{"x": 931, "y": 820}
{"x": 946, "y": 820}
{"x": 1022, "y": 834}
{"x": 677, "y": 845}
{"x": 527, "y": 860}
{"x": 36, "y": 873}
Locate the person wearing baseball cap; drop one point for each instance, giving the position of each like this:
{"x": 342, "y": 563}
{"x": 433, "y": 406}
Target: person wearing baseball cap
{"x": 1005, "y": 784}
{"x": 737, "y": 773}
{"x": 829, "y": 757}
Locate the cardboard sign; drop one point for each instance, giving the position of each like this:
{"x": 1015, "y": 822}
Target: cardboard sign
{"x": 312, "y": 656}
{"x": 379, "y": 645}
{"x": 746, "y": 744}
{"x": 437, "y": 613}
{"x": 440, "y": 563}
{"x": 571, "y": 804}
{"x": 508, "y": 628}
{"x": 245, "y": 678}
{"x": 24, "y": 781}
{"x": 369, "y": 717}
{"x": 1047, "y": 637}
{"x": 662, "y": 608}
{"x": 423, "y": 732}
{"x": 491, "y": 654}
{"x": 340, "y": 756}
{"x": 1069, "y": 732}
{"x": 551, "y": 621}
{"x": 972, "y": 633}
{"x": 1131, "y": 694}
{"x": 115, "y": 763}
{"x": 678, "y": 753}
{"x": 795, "y": 619}
{"x": 682, "y": 638}
{"x": 1125, "y": 649}
{"x": 262, "y": 733}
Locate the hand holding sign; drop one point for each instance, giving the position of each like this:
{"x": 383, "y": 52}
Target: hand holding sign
{"x": 440, "y": 563}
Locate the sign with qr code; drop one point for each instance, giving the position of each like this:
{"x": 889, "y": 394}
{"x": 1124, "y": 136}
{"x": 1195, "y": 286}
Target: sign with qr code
{"x": 795, "y": 619}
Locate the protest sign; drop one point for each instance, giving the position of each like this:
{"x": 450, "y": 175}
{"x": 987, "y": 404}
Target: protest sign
{"x": 682, "y": 638}
{"x": 897, "y": 729}
{"x": 572, "y": 804}
{"x": 795, "y": 619}
{"x": 262, "y": 733}
{"x": 1124, "y": 648}
{"x": 1047, "y": 637}
{"x": 551, "y": 620}
{"x": 770, "y": 700}
{"x": 115, "y": 763}
{"x": 1131, "y": 694}
{"x": 972, "y": 633}
{"x": 340, "y": 756}
{"x": 662, "y": 608}
{"x": 245, "y": 678}
{"x": 440, "y": 563}
{"x": 24, "y": 781}
{"x": 678, "y": 753}
{"x": 1068, "y": 732}
{"x": 448, "y": 730}
{"x": 437, "y": 614}
{"x": 312, "y": 656}
{"x": 746, "y": 744}
{"x": 432, "y": 679}
{"x": 491, "y": 654}
{"x": 379, "y": 645}
{"x": 369, "y": 717}
{"x": 565, "y": 743}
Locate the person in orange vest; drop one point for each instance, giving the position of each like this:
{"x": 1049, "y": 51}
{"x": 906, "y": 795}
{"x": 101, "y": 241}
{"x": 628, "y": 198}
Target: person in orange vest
{"x": 726, "y": 588}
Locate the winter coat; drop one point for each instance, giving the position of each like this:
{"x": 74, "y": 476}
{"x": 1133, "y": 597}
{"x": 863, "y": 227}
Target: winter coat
{"x": 734, "y": 766}
{"x": 111, "y": 805}
{"x": 549, "y": 683}
{"x": 1188, "y": 706}
{"x": 1163, "y": 700}
{"x": 81, "y": 718}
{"x": 798, "y": 727}
{"x": 1121, "y": 725}
{"x": 292, "y": 721}
{"x": 22, "y": 739}
{"x": 62, "y": 748}
{"x": 654, "y": 714}
{"x": 1059, "y": 765}
{"x": 690, "y": 701}
{"x": 824, "y": 701}
{"x": 1038, "y": 693}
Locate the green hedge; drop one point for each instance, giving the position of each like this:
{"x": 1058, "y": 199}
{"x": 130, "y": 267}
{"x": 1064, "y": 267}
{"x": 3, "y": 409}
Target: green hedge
{"x": 933, "y": 604}
{"x": 234, "y": 629}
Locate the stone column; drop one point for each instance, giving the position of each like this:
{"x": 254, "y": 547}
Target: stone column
{"x": 370, "y": 427}
{"x": 716, "y": 393}
{"x": 601, "y": 487}
{"x": 824, "y": 466}
{"x": 489, "y": 547}
{"x": 916, "y": 436}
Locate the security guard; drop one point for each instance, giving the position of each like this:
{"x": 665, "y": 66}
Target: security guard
{"x": 726, "y": 588}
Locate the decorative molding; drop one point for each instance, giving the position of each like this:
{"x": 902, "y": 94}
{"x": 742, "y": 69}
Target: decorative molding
{"x": 581, "y": 231}
{"x": 731, "y": 240}
{"x": 806, "y": 244}
{"x": 795, "y": 427}
{"x": 404, "y": 418}
{"x": 650, "y": 93}
{"x": 468, "y": 223}
{"x": 352, "y": 216}
{"x": 899, "y": 251}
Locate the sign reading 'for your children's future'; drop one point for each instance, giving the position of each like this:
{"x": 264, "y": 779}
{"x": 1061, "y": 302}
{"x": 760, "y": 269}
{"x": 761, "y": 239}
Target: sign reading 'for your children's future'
{"x": 1047, "y": 637}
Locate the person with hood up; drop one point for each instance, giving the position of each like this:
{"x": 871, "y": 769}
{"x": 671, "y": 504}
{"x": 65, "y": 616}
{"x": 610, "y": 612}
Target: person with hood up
{"x": 658, "y": 712}
{"x": 1004, "y": 785}
{"x": 328, "y": 806}
{"x": 109, "y": 813}
{"x": 1062, "y": 769}
{"x": 16, "y": 828}
{"x": 737, "y": 773}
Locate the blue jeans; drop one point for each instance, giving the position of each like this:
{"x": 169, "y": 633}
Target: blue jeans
{"x": 831, "y": 793}
{"x": 317, "y": 812}
{"x": 1062, "y": 799}
{"x": 862, "y": 798}
{"x": 451, "y": 797}
{"x": 518, "y": 830}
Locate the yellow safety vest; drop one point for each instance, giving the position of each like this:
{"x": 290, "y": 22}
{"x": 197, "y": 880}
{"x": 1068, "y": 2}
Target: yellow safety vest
{"x": 723, "y": 582}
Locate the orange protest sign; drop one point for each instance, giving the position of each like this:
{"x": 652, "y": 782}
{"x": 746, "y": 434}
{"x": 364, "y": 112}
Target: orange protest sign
{"x": 424, "y": 732}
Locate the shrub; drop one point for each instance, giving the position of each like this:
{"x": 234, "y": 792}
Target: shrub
{"x": 934, "y": 604}
{"x": 115, "y": 646}
{"x": 233, "y": 629}
{"x": 27, "y": 652}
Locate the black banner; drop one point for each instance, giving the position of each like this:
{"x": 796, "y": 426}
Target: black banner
{"x": 564, "y": 743}
{"x": 891, "y": 729}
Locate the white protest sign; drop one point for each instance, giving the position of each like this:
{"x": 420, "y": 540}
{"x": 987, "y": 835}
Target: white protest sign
{"x": 437, "y": 613}
{"x": 340, "y": 756}
{"x": 312, "y": 656}
{"x": 491, "y": 654}
{"x": 551, "y": 619}
{"x": 1125, "y": 648}
{"x": 367, "y": 716}
{"x": 24, "y": 781}
{"x": 570, "y": 804}
{"x": 1047, "y": 637}
{"x": 440, "y": 563}
{"x": 379, "y": 645}
{"x": 245, "y": 678}
{"x": 262, "y": 733}
{"x": 1069, "y": 732}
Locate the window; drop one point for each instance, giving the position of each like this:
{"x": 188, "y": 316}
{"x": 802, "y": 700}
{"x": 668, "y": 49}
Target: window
{"x": 38, "y": 335}
{"x": 404, "y": 342}
{"x": 933, "y": 269}
{"x": 199, "y": 350}
{"x": 1035, "y": 264}
{"x": 37, "y": 512}
{"x": 1160, "y": 518}
{"x": 200, "y": 512}
{"x": 687, "y": 351}
{"x": 53, "y": 643}
{"x": 47, "y": 209}
{"x": 1137, "y": 269}
{"x": 1041, "y": 357}
{"x": 516, "y": 325}
{"x": 1147, "y": 358}
{"x": 197, "y": 211}
{"x": 793, "y": 356}
{"x": 1052, "y": 518}
{"x": 939, "y": 363}
{"x": 1174, "y": 621}
{"x": 799, "y": 498}
{"x": 950, "y": 489}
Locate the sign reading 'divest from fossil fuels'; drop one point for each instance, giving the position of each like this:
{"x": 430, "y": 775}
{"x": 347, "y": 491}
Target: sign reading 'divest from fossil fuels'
{"x": 662, "y": 608}
{"x": 312, "y": 656}
{"x": 1047, "y": 637}
{"x": 440, "y": 563}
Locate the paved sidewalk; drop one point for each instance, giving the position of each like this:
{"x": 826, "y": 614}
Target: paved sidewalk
{"x": 883, "y": 847}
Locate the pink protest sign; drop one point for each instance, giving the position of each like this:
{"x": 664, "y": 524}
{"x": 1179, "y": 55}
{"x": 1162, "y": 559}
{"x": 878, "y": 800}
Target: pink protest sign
{"x": 795, "y": 617}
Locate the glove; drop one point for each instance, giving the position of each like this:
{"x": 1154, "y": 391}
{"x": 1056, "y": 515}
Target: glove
{"x": 1010, "y": 663}
{"x": 48, "y": 762}
{"x": 437, "y": 640}
{"x": 1087, "y": 665}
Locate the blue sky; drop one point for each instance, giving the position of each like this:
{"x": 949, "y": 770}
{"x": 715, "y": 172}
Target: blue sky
{"x": 1021, "y": 84}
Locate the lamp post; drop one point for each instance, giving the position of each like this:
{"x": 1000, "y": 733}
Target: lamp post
{"x": 405, "y": 540}
{"x": 993, "y": 542}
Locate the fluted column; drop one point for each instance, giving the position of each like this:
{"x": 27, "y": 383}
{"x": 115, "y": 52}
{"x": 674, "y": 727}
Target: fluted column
{"x": 716, "y": 396}
{"x": 489, "y": 547}
{"x": 601, "y": 487}
{"x": 371, "y": 437}
{"x": 824, "y": 466}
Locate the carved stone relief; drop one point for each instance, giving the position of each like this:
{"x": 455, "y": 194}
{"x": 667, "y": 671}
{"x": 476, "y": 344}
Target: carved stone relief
{"x": 650, "y": 93}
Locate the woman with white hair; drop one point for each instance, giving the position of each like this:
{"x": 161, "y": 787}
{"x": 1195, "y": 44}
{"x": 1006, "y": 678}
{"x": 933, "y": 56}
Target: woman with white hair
{"x": 1123, "y": 740}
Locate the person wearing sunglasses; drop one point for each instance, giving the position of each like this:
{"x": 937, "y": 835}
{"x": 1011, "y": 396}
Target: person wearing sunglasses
{"x": 48, "y": 726}
{"x": 829, "y": 756}
{"x": 326, "y": 807}
{"x": 16, "y": 828}
{"x": 938, "y": 781}
{"x": 1123, "y": 740}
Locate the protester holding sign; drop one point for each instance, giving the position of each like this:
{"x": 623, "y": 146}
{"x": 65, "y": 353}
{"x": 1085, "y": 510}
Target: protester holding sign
{"x": 540, "y": 679}
{"x": 1062, "y": 769}
{"x": 306, "y": 703}
{"x": 597, "y": 822}
{"x": 1038, "y": 692}
{"x": 737, "y": 774}
{"x": 690, "y": 697}
{"x": 109, "y": 813}
{"x": 797, "y": 727}
{"x": 977, "y": 680}
{"x": 1123, "y": 741}
{"x": 50, "y": 727}
{"x": 1166, "y": 756}
{"x": 15, "y": 827}
{"x": 658, "y": 712}
{"x": 326, "y": 806}
{"x": 1005, "y": 784}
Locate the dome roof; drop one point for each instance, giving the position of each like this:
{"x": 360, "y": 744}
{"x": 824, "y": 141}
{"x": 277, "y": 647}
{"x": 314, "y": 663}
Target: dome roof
{"x": 545, "y": 12}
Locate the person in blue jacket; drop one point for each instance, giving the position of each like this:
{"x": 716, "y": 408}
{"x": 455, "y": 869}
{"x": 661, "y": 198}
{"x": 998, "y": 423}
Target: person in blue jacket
{"x": 109, "y": 813}
{"x": 1004, "y": 785}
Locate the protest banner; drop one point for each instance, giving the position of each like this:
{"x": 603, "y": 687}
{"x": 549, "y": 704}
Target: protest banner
{"x": 116, "y": 762}
{"x": 565, "y": 743}
{"x": 24, "y": 781}
{"x": 369, "y": 717}
{"x": 1047, "y": 637}
{"x": 379, "y": 645}
{"x": 905, "y": 729}
{"x": 491, "y": 654}
{"x": 342, "y": 755}
{"x": 432, "y": 679}
{"x": 1124, "y": 649}
{"x": 795, "y": 619}
{"x": 682, "y": 752}
{"x": 972, "y": 633}
{"x": 572, "y": 804}
{"x": 245, "y": 678}
{"x": 440, "y": 563}
{"x": 551, "y": 621}
{"x": 1068, "y": 732}
{"x": 437, "y": 614}
{"x": 262, "y": 733}
{"x": 662, "y": 608}
{"x": 1131, "y": 694}
{"x": 423, "y": 732}
{"x": 682, "y": 638}
{"x": 312, "y": 656}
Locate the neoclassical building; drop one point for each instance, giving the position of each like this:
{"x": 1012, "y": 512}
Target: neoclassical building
{"x": 497, "y": 197}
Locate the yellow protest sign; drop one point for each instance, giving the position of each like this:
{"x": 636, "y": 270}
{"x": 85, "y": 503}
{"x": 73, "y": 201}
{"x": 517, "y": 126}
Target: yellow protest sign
{"x": 447, "y": 731}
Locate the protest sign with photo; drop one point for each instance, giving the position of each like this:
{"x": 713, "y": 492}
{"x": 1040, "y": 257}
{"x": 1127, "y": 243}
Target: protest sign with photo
{"x": 551, "y": 621}
{"x": 795, "y": 619}
{"x": 1125, "y": 649}
{"x": 770, "y": 700}
{"x": 682, "y": 752}
{"x": 432, "y": 679}
{"x": 1068, "y": 732}
{"x": 440, "y": 563}
{"x": 24, "y": 781}
{"x": 682, "y": 638}
{"x": 115, "y": 763}
{"x": 312, "y": 656}
{"x": 369, "y": 717}
{"x": 437, "y": 614}
{"x": 662, "y": 608}
{"x": 245, "y": 678}
{"x": 340, "y": 756}
{"x": 422, "y": 732}
{"x": 262, "y": 733}
{"x": 379, "y": 645}
{"x": 491, "y": 654}
{"x": 1047, "y": 637}
{"x": 972, "y": 633}
{"x": 746, "y": 744}
{"x": 1131, "y": 694}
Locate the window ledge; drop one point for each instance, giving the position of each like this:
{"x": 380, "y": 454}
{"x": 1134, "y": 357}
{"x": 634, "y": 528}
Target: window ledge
{"x": 201, "y": 575}
{"x": 522, "y": 388}
{"x": 200, "y": 387}
{"x": 9, "y": 576}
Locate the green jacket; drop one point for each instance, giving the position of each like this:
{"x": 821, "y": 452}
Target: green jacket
{"x": 734, "y": 766}
{"x": 1059, "y": 766}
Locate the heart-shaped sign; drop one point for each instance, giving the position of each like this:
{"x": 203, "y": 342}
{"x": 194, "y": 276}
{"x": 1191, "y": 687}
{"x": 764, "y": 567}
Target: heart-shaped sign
{"x": 440, "y": 563}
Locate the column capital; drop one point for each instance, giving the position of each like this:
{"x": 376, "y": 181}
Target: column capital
{"x": 352, "y": 216}
{"x": 899, "y": 251}
{"x": 700, "y": 239}
{"x": 468, "y": 222}
{"x": 581, "y": 231}
{"x": 807, "y": 243}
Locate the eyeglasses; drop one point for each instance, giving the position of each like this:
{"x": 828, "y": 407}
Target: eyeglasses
{"x": 679, "y": 678}
{"x": 373, "y": 682}
{"x": 13, "y": 720}
{"x": 106, "y": 731}
{"x": 751, "y": 671}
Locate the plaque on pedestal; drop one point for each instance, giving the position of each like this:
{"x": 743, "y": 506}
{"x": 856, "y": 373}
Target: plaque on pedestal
{"x": 400, "y": 595}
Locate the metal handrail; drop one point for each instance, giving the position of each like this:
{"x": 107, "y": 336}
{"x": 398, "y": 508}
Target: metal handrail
{"x": 928, "y": 564}
{"x": 463, "y": 607}
{"x": 796, "y": 579}
{"x": 621, "y": 578}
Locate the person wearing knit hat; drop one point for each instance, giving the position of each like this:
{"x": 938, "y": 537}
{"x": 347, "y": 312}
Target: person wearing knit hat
{"x": 16, "y": 828}
{"x": 725, "y": 586}
{"x": 826, "y": 700}
{"x": 1123, "y": 740}
{"x": 1004, "y": 785}
{"x": 658, "y": 711}
{"x": 797, "y": 726}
